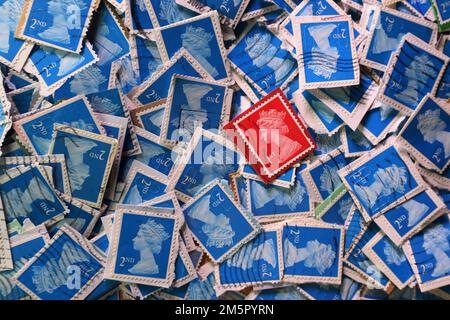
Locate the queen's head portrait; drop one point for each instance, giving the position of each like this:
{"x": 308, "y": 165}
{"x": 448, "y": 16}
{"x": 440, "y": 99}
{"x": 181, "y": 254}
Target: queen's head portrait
{"x": 148, "y": 241}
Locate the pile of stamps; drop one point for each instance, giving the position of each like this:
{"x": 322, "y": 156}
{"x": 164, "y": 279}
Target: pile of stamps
{"x": 224, "y": 149}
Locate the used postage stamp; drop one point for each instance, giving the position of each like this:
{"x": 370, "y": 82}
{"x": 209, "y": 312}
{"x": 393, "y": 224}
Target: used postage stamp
{"x": 218, "y": 222}
{"x": 414, "y": 70}
{"x": 36, "y": 128}
{"x": 406, "y": 220}
{"x": 428, "y": 254}
{"x": 52, "y": 273}
{"x": 312, "y": 252}
{"x": 28, "y": 196}
{"x": 381, "y": 179}
{"x": 192, "y": 103}
{"x": 86, "y": 153}
{"x": 61, "y": 24}
{"x": 326, "y": 51}
{"x": 144, "y": 246}
{"x": 258, "y": 261}
{"x": 426, "y": 135}
{"x": 271, "y": 136}
{"x": 150, "y": 116}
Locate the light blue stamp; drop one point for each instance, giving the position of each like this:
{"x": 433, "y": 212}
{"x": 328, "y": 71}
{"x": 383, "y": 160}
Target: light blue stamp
{"x": 201, "y": 36}
{"x": 326, "y": 52}
{"x": 414, "y": 70}
{"x": 36, "y": 128}
{"x": 192, "y": 103}
{"x": 428, "y": 254}
{"x": 218, "y": 223}
{"x": 390, "y": 259}
{"x": 426, "y": 135}
{"x": 61, "y": 24}
{"x": 89, "y": 159}
{"x": 312, "y": 252}
{"x": 381, "y": 180}
{"x": 28, "y": 196}
{"x": 67, "y": 268}
{"x": 144, "y": 247}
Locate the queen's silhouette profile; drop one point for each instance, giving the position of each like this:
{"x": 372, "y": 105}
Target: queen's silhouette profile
{"x": 433, "y": 129}
{"x": 435, "y": 243}
{"x": 148, "y": 241}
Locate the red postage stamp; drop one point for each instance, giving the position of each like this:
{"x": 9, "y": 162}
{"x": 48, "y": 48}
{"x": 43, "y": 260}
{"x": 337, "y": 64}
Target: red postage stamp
{"x": 271, "y": 136}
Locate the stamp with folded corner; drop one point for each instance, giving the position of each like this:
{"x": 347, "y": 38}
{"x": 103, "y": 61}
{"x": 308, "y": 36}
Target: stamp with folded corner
{"x": 271, "y": 136}
{"x": 218, "y": 222}
{"x": 326, "y": 52}
{"x": 192, "y": 103}
{"x": 61, "y": 24}
{"x": 201, "y": 36}
{"x": 259, "y": 261}
{"x": 49, "y": 275}
{"x": 386, "y": 31}
{"x": 414, "y": 70}
{"x": 207, "y": 157}
{"x": 143, "y": 184}
{"x": 404, "y": 221}
{"x": 57, "y": 162}
{"x": 29, "y": 197}
{"x": 428, "y": 254}
{"x": 35, "y": 129}
{"x": 258, "y": 57}
{"x": 89, "y": 159}
{"x": 381, "y": 180}
{"x": 390, "y": 259}
{"x": 144, "y": 246}
{"x": 426, "y": 134}
{"x": 157, "y": 87}
{"x": 312, "y": 251}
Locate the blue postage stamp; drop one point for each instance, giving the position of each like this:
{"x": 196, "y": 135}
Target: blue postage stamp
{"x": 355, "y": 143}
{"x": 322, "y": 176}
{"x": 53, "y": 67}
{"x": 23, "y": 248}
{"x": 86, "y": 153}
{"x": 312, "y": 252}
{"x": 157, "y": 87}
{"x": 426, "y": 135}
{"x": 144, "y": 246}
{"x": 61, "y": 24}
{"x": 404, "y": 221}
{"x": 36, "y": 128}
{"x": 59, "y": 174}
{"x": 157, "y": 156}
{"x": 165, "y": 12}
{"x": 386, "y": 32}
{"x": 13, "y": 51}
{"x": 150, "y": 117}
{"x": 184, "y": 268}
{"x": 143, "y": 184}
{"x": 137, "y": 16}
{"x": 269, "y": 201}
{"x": 390, "y": 259}
{"x": 326, "y": 52}
{"x": 67, "y": 268}
{"x": 309, "y": 8}
{"x": 218, "y": 222}
{"x": 192, "y": 103}
{"x": 145, "y": 57}
{"x": 428, "y": 253}
{"x": 209, "y": 156}
{"x": 256, "y": 262}
{"x": 259, "y": 58}
{"x": 28, "y": 196}
{"x": 381, "y": 180}
{"x": 336, "y": 208}
{"x": 414, "y": 70}
{"x": 201, "y": 36}
{"x": 348, "y": 290}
